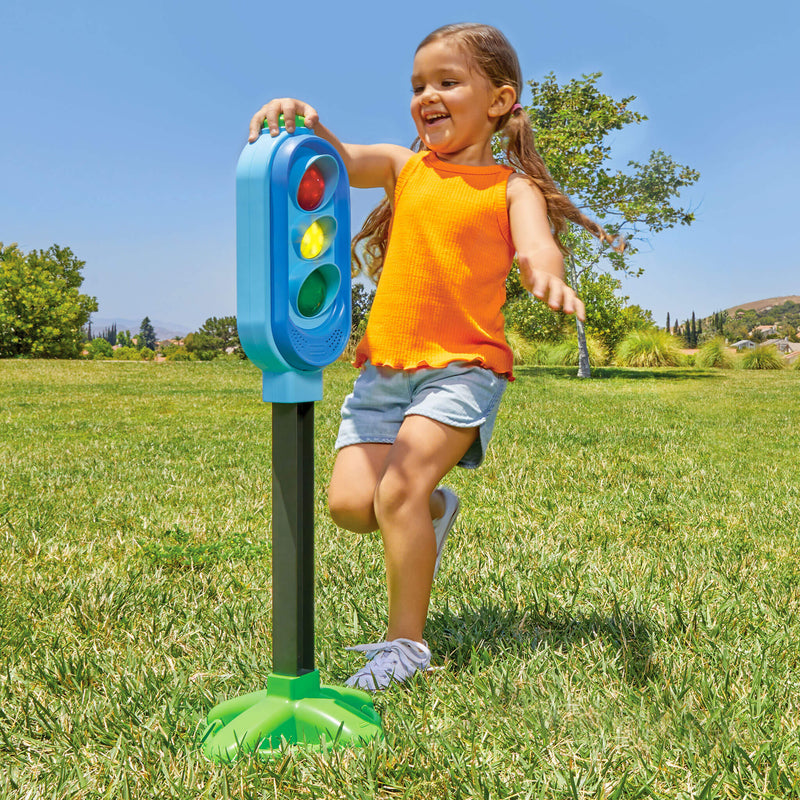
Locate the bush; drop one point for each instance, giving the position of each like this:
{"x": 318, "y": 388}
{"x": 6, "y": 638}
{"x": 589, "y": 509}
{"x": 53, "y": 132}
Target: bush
{"x": 535, "y": 320}
{"x": 127, "y": 354}
{"x": 714, "y": 354}
{"x": 762, "y": 358}
{"x": 650, "y": 348}
{"x": 524, "y": 351}
{"x": 99, "y": 348}
{"x": 568, "y": 352}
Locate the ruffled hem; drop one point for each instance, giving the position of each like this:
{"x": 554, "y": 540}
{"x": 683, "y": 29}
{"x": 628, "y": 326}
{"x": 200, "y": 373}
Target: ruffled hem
{"x": 478, "y": 361}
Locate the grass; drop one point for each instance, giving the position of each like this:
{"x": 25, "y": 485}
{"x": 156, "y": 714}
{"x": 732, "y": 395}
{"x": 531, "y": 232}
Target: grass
{"x": 649, "y": 348}
{"x": 617, "y": 615}
{"x": 762, "y": 358}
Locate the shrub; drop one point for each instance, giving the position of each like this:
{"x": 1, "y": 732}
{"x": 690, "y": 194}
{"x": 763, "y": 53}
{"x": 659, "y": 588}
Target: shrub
{"x": 535, "y": 320}
{"x": 126, "y": 354}
{"x": 650, "y": 348}
{"x": 568, "y": 352}
{"x": 762, "y": 358}
{"x": 99, "y": 348}
{"x": 545, "y": 353}
{"x": 524, "y": 350}
{"x": 714, "y": 354}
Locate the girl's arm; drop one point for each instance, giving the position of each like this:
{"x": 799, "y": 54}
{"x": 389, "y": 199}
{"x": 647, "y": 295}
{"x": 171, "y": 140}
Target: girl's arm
{"x": 541, "y": 265}
{"x": 368, "y": 165}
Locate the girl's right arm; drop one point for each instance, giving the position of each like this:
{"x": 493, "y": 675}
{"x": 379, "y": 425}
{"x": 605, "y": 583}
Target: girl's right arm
{"x": 368, "y": 165}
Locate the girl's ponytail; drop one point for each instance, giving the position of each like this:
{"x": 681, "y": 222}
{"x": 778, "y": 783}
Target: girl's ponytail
{"x": 520, "y": 149}
{"x": 375, "y": 235}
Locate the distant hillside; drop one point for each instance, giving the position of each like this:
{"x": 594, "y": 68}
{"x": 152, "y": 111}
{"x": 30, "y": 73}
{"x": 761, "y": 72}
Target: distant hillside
{"x": 764, "y": 305}
{"x": 164, "y": 330}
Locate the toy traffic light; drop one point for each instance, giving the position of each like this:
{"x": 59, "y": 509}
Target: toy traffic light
{"x": 293, "y": 275}
{"x": 293, "y": 260}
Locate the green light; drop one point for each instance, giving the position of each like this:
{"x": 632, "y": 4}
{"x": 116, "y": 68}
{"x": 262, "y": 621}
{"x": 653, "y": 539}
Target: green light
{"x": 311, "y": 296}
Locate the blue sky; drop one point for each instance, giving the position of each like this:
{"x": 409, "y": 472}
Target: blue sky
{"x": 122, "y": 124}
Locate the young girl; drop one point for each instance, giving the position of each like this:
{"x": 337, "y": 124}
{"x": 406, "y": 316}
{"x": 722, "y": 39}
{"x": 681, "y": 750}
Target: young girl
{"x": 434, "y": 356}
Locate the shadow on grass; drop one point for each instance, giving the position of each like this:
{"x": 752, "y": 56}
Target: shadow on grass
{"x": 491, "y": 630}
{"x": 620, "y": 373}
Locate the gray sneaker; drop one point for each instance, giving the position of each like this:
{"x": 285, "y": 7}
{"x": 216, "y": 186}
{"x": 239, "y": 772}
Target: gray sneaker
{"x": 389, "y": 662}
{"x": 443, "y": 525}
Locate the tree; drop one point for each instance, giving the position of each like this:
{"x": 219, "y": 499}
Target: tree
{"x": 202, "y": 346}
{"x": 147, "y": 335}
{"x": 572, "y": 122}
{"x": 222, "y": 334}
{"x": 110, "y": 334}
{"x": 124, "y": 339}
{"x": 361, "y": 303}
{"x": 42, "y": 311}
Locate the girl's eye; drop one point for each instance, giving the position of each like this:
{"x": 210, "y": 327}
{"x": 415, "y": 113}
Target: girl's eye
{"x": 417, "y": 89}
{"x": 448, "y": 84}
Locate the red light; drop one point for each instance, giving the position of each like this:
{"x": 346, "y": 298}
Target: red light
{"x": 311, "y": 189}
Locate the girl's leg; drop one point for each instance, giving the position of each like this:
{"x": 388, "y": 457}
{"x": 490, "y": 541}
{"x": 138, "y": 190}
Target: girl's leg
{"x": 351, "y": 494}
{"x": 405, "y": 502}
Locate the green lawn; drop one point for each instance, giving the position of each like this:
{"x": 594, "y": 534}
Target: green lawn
{"x": 617, "y": 614}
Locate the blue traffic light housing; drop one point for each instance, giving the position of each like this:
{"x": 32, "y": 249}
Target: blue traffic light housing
{"x": 293, "y": 260}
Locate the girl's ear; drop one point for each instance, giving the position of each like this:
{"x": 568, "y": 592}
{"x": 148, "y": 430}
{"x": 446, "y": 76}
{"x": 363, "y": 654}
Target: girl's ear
{"x": 504, "y": 98}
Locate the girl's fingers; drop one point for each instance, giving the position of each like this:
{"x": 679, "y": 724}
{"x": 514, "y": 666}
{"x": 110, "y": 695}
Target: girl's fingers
{"x": 555, "y": 295}
{"x": 272, "y": 111}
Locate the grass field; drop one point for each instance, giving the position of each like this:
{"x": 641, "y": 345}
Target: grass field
{"x": 617, "y": 615}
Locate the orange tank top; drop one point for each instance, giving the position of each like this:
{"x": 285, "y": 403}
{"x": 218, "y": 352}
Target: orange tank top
{"x": 442, "y": 286}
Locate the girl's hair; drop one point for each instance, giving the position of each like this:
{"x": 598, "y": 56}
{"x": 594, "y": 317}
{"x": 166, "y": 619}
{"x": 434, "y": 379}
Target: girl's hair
{"x": 494, "y": 57}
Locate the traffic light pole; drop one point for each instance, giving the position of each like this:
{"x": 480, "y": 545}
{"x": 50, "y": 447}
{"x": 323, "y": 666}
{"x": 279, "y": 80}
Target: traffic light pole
{"x": 294, "y": 708}
{"x": 293, "y": 538}
{"x": 293, "y": 316}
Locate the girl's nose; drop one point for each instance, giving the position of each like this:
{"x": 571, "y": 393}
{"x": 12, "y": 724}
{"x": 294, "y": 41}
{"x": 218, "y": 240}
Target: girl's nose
{"x": 429, "y": 95}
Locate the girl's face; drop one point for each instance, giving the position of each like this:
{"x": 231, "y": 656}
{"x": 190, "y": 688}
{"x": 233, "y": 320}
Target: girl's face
{"x": 455, "y": 107}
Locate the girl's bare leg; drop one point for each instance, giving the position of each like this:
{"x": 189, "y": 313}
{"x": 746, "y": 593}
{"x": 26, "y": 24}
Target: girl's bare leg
{"x": 423, "y": 453}
{"x": 351, "y": 494}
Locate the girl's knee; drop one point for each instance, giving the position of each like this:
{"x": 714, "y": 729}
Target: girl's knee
{"x": 352, "y": 511}
{"x": 397, "y": 490}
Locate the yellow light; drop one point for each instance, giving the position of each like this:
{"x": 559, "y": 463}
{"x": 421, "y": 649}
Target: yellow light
{"x": 313, "y": 241}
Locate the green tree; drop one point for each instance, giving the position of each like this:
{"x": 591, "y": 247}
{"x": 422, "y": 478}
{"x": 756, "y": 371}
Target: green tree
{"x": 147, "y": 335}
{"x": 201, "y": 346}
{"x": 124, "y": 339}
{"x": 42, "y": 311}
{"x": 221, "y": 333}
{"x": 573, "y": 122}
{"x": 361, "y": 300}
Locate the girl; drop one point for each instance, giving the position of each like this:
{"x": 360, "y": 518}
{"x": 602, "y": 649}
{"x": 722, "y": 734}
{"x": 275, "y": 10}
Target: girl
{"x": 434, "y": 356}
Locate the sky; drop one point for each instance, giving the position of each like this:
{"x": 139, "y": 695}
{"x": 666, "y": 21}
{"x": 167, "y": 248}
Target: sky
{"x": 121, "y": 125}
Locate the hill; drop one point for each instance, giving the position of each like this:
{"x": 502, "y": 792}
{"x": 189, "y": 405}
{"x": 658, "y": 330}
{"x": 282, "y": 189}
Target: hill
{"x": 164, "y": 330}
{"x": 764, "y": 305}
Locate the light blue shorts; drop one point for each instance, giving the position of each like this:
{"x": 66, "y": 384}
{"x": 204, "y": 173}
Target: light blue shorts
{"x": 458, "y": 395}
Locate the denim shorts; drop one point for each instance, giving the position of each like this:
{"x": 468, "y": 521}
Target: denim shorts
{"x": 460, "y": 395}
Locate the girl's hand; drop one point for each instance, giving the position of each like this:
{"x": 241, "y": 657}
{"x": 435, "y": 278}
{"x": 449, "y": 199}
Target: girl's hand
{"x": 289, "y": 108}
{"x": 552, "y": 290}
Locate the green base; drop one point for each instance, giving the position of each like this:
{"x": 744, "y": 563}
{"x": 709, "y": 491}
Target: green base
{"x": 294, "y": 709}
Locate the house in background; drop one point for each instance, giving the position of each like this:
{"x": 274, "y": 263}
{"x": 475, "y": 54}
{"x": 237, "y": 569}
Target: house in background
{"x": 743, "y": 344}
{"x": 765, "y": 330}
{"x": 784, "y": 345}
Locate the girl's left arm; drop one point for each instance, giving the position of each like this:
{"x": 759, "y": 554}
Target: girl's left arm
{"x": 541, "y": 265}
